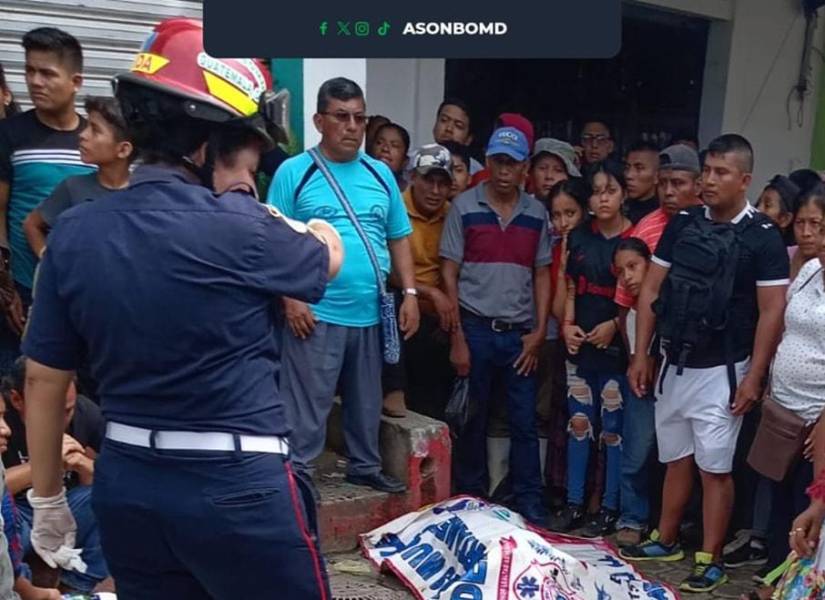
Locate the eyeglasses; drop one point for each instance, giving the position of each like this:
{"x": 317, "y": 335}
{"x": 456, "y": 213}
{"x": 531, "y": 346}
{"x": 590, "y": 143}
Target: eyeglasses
{"x": 594, "y": 140}
{"x": 344, "y": 117}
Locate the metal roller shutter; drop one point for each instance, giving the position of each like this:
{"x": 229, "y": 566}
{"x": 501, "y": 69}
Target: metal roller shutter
{"x": 110, "y": 31}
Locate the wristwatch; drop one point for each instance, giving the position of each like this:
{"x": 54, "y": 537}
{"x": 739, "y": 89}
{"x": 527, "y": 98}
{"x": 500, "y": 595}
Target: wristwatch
{"x": 409, "y": 292}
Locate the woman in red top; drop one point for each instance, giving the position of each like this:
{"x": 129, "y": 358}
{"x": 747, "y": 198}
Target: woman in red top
{"x": 597, "y": 360}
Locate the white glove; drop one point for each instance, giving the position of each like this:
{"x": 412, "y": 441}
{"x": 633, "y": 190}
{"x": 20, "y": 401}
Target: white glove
{"x": 319, "y": 225}
{"x": 53, "y": 532}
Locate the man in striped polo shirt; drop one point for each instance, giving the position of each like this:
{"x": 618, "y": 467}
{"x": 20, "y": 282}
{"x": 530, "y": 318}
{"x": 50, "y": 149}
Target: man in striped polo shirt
{"x": 496, "y": 267}
{"x": 39, "y": 148}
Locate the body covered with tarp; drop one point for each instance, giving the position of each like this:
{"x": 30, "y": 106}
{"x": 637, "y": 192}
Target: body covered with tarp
{"x": 468, "y": 549}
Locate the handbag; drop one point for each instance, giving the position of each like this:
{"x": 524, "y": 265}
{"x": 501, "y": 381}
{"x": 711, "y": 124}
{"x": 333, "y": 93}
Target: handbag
{"x": 780, "y": 437}
{"x": 391, "y": 340}
{"x": 458, "y": 411}
{"x": 779, "y": 442}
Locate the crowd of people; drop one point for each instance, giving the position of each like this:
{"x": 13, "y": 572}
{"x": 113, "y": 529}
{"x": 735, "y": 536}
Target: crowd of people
{"x": 606, "y": 307}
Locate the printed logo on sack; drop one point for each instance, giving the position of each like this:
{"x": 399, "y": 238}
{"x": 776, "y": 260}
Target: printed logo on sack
{"x": 547, "y": 581}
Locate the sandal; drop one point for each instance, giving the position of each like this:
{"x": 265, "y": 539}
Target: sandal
{"x": 758, "y": 594}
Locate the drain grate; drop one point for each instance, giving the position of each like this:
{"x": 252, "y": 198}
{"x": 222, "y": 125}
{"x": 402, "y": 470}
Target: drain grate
{"x": 347, "y": 587}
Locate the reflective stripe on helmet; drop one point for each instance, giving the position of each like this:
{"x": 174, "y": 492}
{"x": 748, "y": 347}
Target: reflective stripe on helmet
{"x": 228, "y": 93}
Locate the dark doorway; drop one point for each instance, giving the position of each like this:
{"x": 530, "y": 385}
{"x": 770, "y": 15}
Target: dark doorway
{"x": 650, "y": 90}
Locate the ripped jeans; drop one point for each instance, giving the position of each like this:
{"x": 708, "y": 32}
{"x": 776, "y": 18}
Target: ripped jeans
{"x": 595, "y": 402}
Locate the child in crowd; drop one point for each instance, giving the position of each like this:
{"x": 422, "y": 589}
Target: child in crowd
{"x": 103, "y": 143}
{"x": 567, "y": 203}
{"x": 11, "y": 528}
{"x": 391, "y": 145}
{"x": 8, "y": 107}
{"x": 461, "y": 157}
{"x": 597, "y": 362}
{"x": 631, "y": 260}
{"x": 778, "y": 201}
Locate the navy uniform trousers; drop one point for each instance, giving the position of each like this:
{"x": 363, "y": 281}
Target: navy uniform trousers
{"x": 206, "y": 526}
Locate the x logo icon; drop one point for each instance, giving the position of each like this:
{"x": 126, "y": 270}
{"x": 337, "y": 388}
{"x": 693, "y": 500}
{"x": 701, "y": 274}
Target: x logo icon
{"x": 343, "y": 28}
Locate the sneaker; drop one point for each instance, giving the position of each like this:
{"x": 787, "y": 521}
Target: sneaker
{"x": 761, "y": 576}
{"x": 653, "y": 549}
{"x": 601, "y": 524}
{"x": 751, "y": 552}
{"x": 770, "y": 577}
{"x": 567, "y": 519}
{"x": 628, "y": 537}
{"x": 707, "y": 575}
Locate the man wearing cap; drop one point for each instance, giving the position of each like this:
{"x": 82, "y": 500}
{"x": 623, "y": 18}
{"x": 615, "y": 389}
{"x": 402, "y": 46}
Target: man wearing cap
{"x": 424, "y": 376}
{"x": 496, "y": 267}
{"x": 552, "y": 161}
{"x": 678, "y": 189}
{"x": 516, "y": 121}
{"x": 641, "y": 166}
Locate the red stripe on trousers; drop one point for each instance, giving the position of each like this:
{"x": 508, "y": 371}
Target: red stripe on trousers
{"x": 299, "y": 515}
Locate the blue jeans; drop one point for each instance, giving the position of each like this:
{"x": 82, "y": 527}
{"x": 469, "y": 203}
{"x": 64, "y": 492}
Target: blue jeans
{"x": 598, "y": 398}
{"x": 88, "y": 538}
{"x": 638, "y": 442}
{"x": 490, "y": 351}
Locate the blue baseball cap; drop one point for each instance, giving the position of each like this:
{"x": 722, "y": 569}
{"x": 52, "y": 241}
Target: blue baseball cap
{"x": 509, "y": 141}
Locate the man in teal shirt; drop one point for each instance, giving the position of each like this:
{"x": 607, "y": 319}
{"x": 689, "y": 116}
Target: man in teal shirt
{"x": 340, "y": 336}
{"x": 38, "y": 150}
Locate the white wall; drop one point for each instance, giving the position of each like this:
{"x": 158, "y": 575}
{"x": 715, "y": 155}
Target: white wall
{"x": 316, "y": 72}
{"x": 753, "y": 63}
{"x": 407, "y": 91}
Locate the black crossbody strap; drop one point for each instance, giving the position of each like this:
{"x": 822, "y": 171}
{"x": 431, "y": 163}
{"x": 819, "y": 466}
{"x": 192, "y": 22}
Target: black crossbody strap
{"x": 342, "y": 198}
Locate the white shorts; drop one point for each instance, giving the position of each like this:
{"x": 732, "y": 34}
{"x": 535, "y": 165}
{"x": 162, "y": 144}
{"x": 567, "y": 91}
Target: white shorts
{"x": 693, "y": 417}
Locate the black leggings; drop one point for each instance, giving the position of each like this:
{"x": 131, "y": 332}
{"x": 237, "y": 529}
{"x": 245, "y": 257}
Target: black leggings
{"x": 789, "y": 499}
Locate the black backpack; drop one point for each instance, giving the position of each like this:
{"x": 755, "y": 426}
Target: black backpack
{"x": 695, "y": 301}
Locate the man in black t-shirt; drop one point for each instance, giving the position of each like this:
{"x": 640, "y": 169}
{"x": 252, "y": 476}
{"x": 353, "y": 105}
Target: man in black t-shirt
{"x": 82, "y": 440}
{"x": 696, "y": 422}
{"x": 641, "y": 171}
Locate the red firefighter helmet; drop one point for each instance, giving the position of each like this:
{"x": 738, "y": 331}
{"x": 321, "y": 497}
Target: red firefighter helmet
{"x": 173, "y": 61}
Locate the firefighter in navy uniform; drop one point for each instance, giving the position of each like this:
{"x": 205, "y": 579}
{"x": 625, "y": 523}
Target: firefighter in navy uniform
{"x": 168, "y": 290}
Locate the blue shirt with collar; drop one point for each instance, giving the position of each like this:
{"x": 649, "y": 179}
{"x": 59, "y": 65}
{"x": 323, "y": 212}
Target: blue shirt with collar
{"x": 170, "y": 290}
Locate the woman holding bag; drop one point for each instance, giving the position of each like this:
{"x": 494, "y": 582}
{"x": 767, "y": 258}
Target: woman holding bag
{"x": 797, "y": 398}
